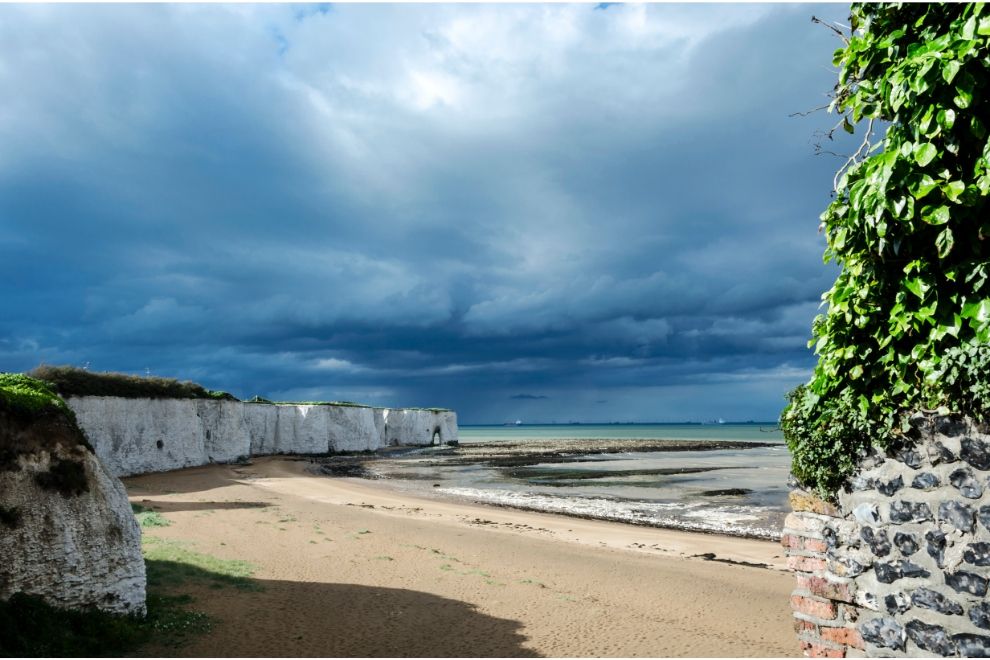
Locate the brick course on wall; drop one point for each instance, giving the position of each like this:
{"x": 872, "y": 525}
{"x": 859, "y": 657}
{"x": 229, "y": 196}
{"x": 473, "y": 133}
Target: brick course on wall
{"x": 899, "y": 564}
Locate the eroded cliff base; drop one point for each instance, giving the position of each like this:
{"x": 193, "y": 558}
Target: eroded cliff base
{"x": 67, "y": 533}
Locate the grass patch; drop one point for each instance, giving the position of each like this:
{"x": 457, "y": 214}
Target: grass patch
{"x": 149, "y": 518}
{"x": 73, "y": 381}
{"x": 172, "y": 563}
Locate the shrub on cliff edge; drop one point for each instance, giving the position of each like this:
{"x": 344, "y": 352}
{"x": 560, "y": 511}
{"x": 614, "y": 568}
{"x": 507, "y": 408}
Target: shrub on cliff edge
{"x": 73, "y": 381}
{"x": 29, "y": 396}
{"x": 908, "y": 320}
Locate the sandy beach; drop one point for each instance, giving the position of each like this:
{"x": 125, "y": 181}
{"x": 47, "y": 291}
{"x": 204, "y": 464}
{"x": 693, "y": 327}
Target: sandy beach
{"x": 347, "y": 567}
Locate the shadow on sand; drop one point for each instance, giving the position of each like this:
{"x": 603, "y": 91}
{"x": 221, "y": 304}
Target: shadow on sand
{"x": 162, "y": 506}
{"x": 277, "y": 618}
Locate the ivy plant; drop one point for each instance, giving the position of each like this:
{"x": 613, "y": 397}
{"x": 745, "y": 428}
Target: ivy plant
{"x": 907, "y": 324}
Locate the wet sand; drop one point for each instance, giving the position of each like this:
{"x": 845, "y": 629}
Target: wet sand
{"x": 348, "y": 568}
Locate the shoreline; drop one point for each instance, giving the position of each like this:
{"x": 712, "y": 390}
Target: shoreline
{"x": 516, "y": 457}
{"x": 347, "y": 568}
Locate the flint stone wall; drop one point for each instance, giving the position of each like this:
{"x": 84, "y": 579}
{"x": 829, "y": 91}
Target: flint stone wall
{"x": 900, "y": 565}
{"x": 136, "y": 436}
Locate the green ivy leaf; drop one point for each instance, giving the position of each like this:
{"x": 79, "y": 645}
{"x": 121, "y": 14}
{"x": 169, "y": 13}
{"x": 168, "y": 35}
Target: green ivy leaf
{"x": 917, "y": 286}
{"x": 949, "y": 70}
{"x": 924, "y": 153}
{"x": 946, "y": 118}
{"x": 944, "y": 243}
{"x": 938, "y": 215}
{"x": 953, "y": 189}
{"x": 978, "y": 311}
{"x": 924, "y": 186}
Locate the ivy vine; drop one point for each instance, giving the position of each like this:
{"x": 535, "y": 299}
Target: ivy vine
{"x": 907, "y": 325}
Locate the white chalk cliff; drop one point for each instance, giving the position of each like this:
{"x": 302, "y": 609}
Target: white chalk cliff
{"x": 135, "y": 436}
{"x": 67, "y": 533}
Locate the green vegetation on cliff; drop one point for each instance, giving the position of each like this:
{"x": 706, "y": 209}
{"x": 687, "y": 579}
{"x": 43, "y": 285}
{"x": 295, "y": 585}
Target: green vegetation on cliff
{"x": 908, "y": 321}
{"x": 29, "y": 396}
{"x": 73, "y": 381}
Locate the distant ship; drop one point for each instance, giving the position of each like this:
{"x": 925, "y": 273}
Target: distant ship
{"x": 518, "y": 422}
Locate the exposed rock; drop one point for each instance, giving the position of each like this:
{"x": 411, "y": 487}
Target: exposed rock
{"x": 925, "y": 481}
{"x": 831, "y": 538}
{"x": 969, "y": 583}
{"x": 972, "y": 646}
{"x": 936, "y": 546}
{"x": 939, "y": 453}
{"x": 891, "y": 487}
{"x": 966, "y": 483}
{"x": 878, "y": 541}
{"x": 860, "y": 483}
{"x": 910, "y": 569}
{"x": 137, "y": 436}
{"x": 887, "y": 573}
{"x": 949, "y": 426}
{"x": 895, "y": 570}
{"x": 910, "y": 457}
{"x": 884, "y": 632}
{"x": 933, "y": 600}
{"x": 906, "y": 543}
{"x": 958, "y": 515}
{"x": 74, "y": 541}
{"x": 977, "y": 554}
{"x": 845, "y": 566}
{"x": 866, "y": 513}
{"x": 984, "y": 514}
{"x": 896, "y": 603}
{"x": 931, "y": 638}
{"x": 909, "y": 512}
{"x": 975, "y": 452}
{"x": 979, "y": 614}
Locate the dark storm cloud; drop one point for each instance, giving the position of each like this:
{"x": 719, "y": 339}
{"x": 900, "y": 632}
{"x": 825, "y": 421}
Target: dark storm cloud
{"x": 420, "y": 205}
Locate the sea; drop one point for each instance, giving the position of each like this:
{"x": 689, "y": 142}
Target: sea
{"x": 720, "y": 478}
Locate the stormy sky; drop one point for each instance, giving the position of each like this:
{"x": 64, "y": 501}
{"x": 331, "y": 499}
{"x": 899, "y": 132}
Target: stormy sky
{"x": 536, "y": 212}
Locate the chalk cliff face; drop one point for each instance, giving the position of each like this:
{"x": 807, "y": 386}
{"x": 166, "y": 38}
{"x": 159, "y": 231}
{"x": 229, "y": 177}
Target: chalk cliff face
{"x": 67, "y": 533}
{"x": 135, "y": 436}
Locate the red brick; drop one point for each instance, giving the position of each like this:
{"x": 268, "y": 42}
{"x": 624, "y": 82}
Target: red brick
{"x": 796, "y": 542}
{"x": 802, "y": 626}
{"x": 805, "y": 564}
{"x": 819, "y": 651}
{"x": 827, "y": 588}
{"x": 846, "y": 636}
{"x": 811, "y": 607}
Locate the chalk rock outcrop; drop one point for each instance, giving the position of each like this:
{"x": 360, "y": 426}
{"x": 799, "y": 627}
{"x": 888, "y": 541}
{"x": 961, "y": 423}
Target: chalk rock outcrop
{"x": 137, "y": 436}
{"x": 67, "y": 533}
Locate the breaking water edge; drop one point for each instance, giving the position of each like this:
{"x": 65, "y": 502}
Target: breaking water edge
{"x": 717, "y": 478}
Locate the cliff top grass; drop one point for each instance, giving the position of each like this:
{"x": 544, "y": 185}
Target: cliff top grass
{"x": 73, "y": 381}
{"x": 51, "y": 381}
{"x": 28, "y": 396}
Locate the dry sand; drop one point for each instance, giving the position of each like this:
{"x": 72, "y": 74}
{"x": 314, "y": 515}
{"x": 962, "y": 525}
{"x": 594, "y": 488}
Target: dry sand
{"x": 351, "y": 568}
